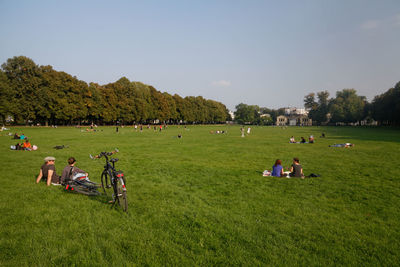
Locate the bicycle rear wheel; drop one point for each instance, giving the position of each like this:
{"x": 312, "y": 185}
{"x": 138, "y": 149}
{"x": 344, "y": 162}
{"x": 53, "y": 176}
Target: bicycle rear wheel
{"x": 121, "y": 194}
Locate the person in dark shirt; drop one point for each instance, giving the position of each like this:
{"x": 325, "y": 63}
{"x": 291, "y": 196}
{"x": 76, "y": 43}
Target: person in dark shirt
{"x": 296, "y": 170}
{"x": 70, "y": 170}
{"x": 48, "y": 173}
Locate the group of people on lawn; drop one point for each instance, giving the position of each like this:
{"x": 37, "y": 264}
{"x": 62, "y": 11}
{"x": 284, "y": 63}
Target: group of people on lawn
{"x": 26, "y": 145}
{"x": 48, "y": 173}
{"x": 302, "y": 140}
{"x": 295, "y": 170}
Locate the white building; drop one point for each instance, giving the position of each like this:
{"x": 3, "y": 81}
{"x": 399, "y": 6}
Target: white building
{"x": 232, "y": 114}
{"x": 295, "y": 111}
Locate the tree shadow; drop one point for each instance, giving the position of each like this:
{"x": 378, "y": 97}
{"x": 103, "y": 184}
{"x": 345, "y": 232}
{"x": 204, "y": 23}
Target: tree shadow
{"x": 345, "y": 133}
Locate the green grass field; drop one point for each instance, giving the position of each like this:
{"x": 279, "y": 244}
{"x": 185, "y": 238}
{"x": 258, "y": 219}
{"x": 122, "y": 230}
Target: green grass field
{"x": 201, "y": 199}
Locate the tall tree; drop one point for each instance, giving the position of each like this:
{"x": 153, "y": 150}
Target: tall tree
{"x": 385, "y": 108}
{"x": 24, "y": 77}
{"x": 311, "y": 105}
{"x": 247, "y": 113}
{"x": 6, "y": 97}
{"x": 347, "y": 106}
{"x": 323, "y": 107}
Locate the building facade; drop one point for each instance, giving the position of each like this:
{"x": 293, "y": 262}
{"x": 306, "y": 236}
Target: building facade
{"x": 301, "y": 120}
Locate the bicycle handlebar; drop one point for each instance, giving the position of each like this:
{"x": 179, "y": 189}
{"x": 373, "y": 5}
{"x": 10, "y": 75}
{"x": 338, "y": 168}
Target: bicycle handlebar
{"x": 104, "y": 154}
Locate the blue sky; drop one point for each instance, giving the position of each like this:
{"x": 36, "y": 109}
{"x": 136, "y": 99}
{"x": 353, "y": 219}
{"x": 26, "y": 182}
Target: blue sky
{"x": 268, "y": 53}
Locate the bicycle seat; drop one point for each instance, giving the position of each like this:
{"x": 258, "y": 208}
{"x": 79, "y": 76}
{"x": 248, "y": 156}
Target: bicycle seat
{"x": 114, "y": 160}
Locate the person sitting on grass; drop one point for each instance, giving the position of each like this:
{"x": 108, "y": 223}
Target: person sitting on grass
{"x": 70, "y": 170}
{"x": 18, "y": 146}
{"x": 303, "y": 141}
{"x": 16, "y": 136}
{"x": 311, "y": 139}
{"x": 292, "y": 141}
{"x": 48, "y": 173}
{"x": 277, "y": 169}
{"x": 296, "y": 170}
{"x": 26, "y": 145}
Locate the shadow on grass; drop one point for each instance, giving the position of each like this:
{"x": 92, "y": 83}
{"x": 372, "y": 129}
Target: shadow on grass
{"x": 102, "y": 198}
{"x": 382, "y": 134}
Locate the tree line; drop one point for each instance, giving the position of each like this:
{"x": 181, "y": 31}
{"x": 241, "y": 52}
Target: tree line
{"x": 254, "y": 114}
{"x": 40, "y": 94}
{"x": 346, "y": 107}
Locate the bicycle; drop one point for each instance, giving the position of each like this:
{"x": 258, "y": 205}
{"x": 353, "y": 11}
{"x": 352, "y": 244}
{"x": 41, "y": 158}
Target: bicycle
{"x": 110, "y": 177}
{"x": 79, "y": 183}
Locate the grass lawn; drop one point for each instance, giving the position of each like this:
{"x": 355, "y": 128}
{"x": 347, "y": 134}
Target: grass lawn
{"x": 201, "y": 199}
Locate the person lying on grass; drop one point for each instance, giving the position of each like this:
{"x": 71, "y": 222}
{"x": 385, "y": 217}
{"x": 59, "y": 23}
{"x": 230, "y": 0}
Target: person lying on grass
{"x": 48, "y": 173}
{"x": 70, "y": 170}
{"x": 346, "y": 145}
{"x": 296, "y": 170}
{"x": 277, "y": 169}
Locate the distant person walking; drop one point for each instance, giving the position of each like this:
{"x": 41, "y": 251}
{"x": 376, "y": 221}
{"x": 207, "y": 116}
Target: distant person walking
{"x": 242, "y": 130}
{"x": 248, "y": 130}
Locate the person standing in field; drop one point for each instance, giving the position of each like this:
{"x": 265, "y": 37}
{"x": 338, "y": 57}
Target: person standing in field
{"x": 242, "y": 130}
{"x": 248, "y": 130}
{"x": 48, "y": 173}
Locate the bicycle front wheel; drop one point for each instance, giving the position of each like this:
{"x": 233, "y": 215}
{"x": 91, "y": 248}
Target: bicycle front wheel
{"x": 85, "y": 191}
{"x": 121, "y": 194}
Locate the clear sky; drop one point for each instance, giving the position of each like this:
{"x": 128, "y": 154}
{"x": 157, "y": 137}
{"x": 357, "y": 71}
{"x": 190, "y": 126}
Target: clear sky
{"x": 267, "y": 53}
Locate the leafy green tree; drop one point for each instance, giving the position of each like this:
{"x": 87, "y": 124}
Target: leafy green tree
{"x": 385, "y": 108}
{"x": 144, "y": 108}
{"x": 6, "y": 97}
{"x": 109, "y": 104}
{"x": 42, "y": 94}
{"x": 93, "y": 103}
{"x": 323, "y": 107}
{"x": 247, "y": 113}
{"x": 311, "y": 105}
{"x": 24, "y": 77}
{"x": 317, "y": 111}
{"x": 347, "y": 106}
